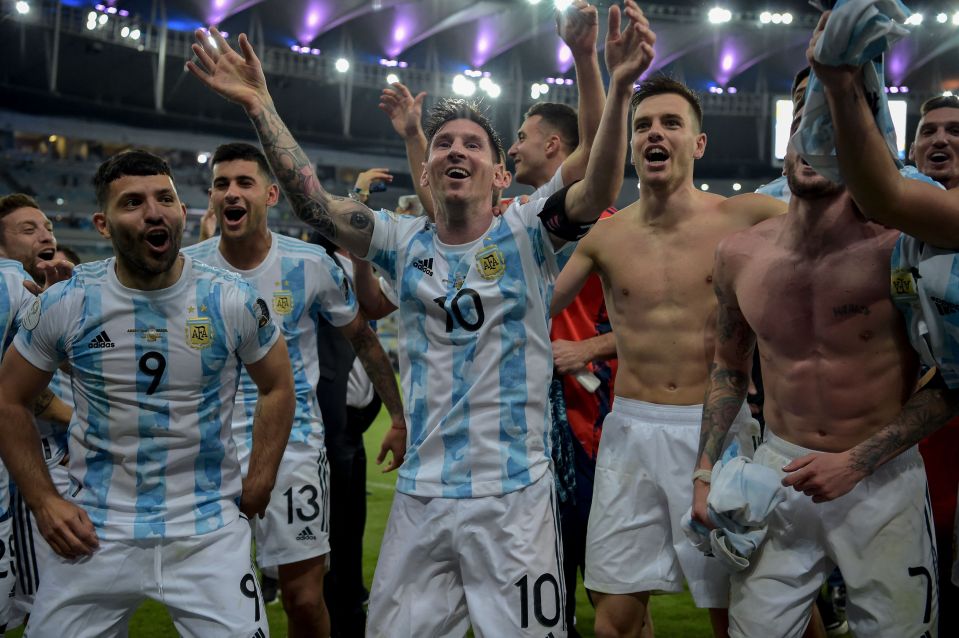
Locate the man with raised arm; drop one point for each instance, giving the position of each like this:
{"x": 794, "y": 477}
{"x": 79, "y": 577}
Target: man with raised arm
{"x": 655, "y": 260}
{"x": 304, "y": 286}
{"x": 810, "y": 289}
{"x": 157, "y": 507}
{"x": 471, "y": 537}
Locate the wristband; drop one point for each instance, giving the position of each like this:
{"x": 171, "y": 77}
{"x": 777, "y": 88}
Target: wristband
{"x": 706, "y": 476}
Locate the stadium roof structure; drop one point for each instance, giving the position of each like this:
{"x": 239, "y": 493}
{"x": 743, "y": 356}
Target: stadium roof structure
{"x": 79, "y": 56}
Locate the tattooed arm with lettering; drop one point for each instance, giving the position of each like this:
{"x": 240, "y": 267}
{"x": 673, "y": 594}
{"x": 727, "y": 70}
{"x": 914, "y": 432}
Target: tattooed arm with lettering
{"x": 238, "y": 76}
{"x": 825, "y": 476}
{"x": 728, "y": 379}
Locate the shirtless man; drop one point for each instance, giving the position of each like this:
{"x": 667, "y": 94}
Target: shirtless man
{"x": 810, "y": 288}
{"x": 655, "y": 260}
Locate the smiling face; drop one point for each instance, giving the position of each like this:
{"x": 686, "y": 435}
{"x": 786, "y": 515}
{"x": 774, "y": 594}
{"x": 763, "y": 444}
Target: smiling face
{"x": 27, "y": 237}
{"x": 936, "y": 147}
{"x": 240, "y": 197}
{"x": 460, "y": 167}
{"x": 666, "y": 140}
{"x": 529, "y": 151}
{"x": 144, "y": 219}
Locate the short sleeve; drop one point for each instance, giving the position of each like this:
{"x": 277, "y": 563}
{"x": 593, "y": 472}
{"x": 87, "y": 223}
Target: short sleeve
{"x": 255, "y": 329}
{"x": 389, "y": 292}
{"x": 46, "y": 325}
{"x": 554, "y": 185}
{"x": 335, "y": 300}
{"x": 544, "y": 252}
{"x": 391, "y": 234}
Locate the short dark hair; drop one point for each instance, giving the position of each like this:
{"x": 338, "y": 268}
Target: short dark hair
{"x": 16, "y": 201}
{"x": 135, "y": 162}
{"x": 939, "y": 102}
{"x": 449, "y": 109}
{"x": 561, "y": 117}
{"x": 70, "y": 253}
{"x": 662, "y": 84}
{"x": 234, "y": 151}
{"x": 802, "y": 75}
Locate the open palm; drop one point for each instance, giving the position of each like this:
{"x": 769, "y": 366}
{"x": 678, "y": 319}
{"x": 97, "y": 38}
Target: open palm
{"x": 236, "y": 77}
{"x": 630, "y": 52}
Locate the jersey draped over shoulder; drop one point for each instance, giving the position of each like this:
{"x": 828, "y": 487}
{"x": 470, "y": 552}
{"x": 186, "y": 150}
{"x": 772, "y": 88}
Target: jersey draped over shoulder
{"x": 302, "y": 284}
{"x": 925, "y": 287}
{"x": 477, "y": 358}
{"x": 15, "y": 301}
{"x": 154, "y": 377}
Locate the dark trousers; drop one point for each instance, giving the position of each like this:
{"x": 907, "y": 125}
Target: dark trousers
{"x": 574, "y": 516}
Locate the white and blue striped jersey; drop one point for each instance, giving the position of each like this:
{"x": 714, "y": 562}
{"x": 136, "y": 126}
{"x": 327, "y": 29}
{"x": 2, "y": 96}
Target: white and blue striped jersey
{"x": 15, "y": 303}
{"x": 925, "y": 288}
{"x": 154, "y": 379}
{"x": 302, "y": 283}
{"x": 476, "y": 359}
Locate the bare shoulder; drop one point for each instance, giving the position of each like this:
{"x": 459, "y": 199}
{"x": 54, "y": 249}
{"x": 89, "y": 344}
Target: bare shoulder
{"x": 743, "y": 246}
{"x": 753, "y": 208}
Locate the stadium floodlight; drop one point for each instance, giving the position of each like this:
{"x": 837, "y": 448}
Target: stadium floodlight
{"x": 534, "y": 91}
{"x": 562, "y": 5}
{"x": 737, "y": 187}
{"x": 704, "y": 187}
{"x": 955, "y": 19}
{"x": 493, "y": 90}
{"x": 22, "y": 7}
{"x": 124, "y": 32}
{"x": 464, "y": 86}
{"x": 342, "y": 65}
{"x": 765, "y": 17}
{"x": 777, "y": 18}
{"x": 719, "y": 15}
{"x": 135, "y": 34}
{"x": 787, "y": 18}
{"x": 914, "y": 20}
{"x": 942, "y": 18}
{"x": 947, "y": 94}
{"x": 102, "y": 20}
{"x": 392, "y": 78}
{"x": 202, "y": 158}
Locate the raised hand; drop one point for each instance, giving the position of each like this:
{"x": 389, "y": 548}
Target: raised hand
{"x": 578, "y": 27}
{"x": 630, "y": 52}
{"x": 238, "y": 78}
{"x": 53, "y": 272}
{"x": 404, "y": 110}
{"x": 833, "y": 77}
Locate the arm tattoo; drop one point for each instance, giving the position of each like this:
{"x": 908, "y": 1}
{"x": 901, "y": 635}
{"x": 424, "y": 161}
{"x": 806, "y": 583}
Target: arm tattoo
{"x": 331, "y": 215}
{"x": 924, "y": 413}
{"x": 43, "y": 401}
{"x": 724, "y": 398}
{"x": 378, "y": 367}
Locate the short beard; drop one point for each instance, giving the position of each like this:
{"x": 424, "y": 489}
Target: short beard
{"x": 819, "y": 189}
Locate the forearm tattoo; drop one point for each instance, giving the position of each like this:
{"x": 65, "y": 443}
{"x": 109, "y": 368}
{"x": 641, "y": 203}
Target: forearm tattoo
{"x": 924, "y": 413}
{"x": 43, "y": 401}
{"x": 331, "y": 215}
{"x": 378, "y": 367}
{"x": 724, "y": 398}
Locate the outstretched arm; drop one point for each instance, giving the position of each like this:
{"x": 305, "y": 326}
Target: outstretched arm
{"x": 406, "y": 116}
{"x": 914, "y": 207}
{"x": 628, "y": 55}
{"x": 578, "y": 27}
{"x": 825, "y": 476}
{"x": 728, "y": 381}
{"x": 239, "y": 78}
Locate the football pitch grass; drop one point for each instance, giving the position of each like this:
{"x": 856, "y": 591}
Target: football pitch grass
{"x": 673, "y": 616}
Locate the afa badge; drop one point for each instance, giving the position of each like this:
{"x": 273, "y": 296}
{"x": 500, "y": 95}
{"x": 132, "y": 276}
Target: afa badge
{"x": 32, "y": 318}
{"x": 283, "y": 302}
{"x": 490, "y": 263}
{"x": 903, "y": 284}
{"x": 199, "y": 333}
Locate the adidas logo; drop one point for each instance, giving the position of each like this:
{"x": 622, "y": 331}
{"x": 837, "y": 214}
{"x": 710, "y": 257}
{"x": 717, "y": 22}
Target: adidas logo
{"x": 259, "y": 634}
{"x": 426, "y": 265}
{"x": 945, "y": 307}
{"x": 306, "y": 535}
{"x": 101, "y": 341}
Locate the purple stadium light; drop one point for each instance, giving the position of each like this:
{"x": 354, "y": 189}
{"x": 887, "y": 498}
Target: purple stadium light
{"x": 313, "y": 20}
{"x": 404, "y": 29}
{"x": 564, "y": 57}
{"x": 124, "y": 13}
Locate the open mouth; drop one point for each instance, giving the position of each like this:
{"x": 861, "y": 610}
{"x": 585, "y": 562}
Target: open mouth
{"x": 47, "y": 255}
{"x": 233, "y": 214}
{"x": 456, "y": 172}
{"x": 939, "y": 156}
{"x": 656, "y": 155}
{"x": 158, "y": 239}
